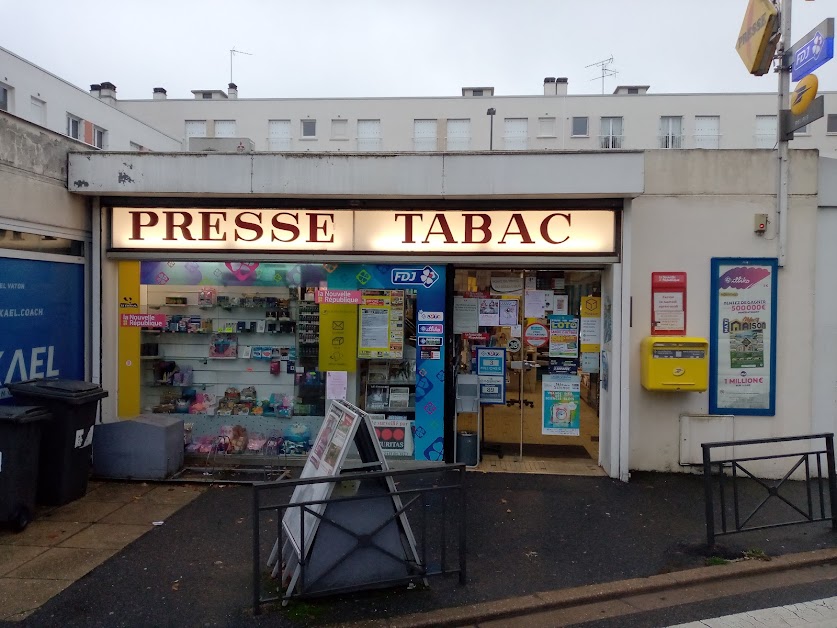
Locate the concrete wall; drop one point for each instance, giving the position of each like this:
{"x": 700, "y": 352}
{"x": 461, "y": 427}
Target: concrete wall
{"x": 499, "y": 175}
{"x": 699, "y": 205}
{"x": 825, "y": 304}
{"x": 640, "y": 113}
{"x": 33, "y": 178}
{"x": 27, "y": 81}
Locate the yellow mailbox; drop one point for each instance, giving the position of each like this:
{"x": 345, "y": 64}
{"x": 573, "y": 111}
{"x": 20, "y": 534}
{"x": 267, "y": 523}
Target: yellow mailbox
{"x": 675, "y": 363}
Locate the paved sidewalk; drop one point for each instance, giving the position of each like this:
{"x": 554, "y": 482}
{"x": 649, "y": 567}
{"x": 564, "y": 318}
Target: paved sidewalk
{"x": 557, "y": 535}
{"x": 813, "y": 614}
{"x": 65, "y": 543}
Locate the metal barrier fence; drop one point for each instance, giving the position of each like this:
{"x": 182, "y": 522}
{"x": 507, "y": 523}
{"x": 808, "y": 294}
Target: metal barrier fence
{"x": 812, "y": 487}
{"x": 437, "y": 527}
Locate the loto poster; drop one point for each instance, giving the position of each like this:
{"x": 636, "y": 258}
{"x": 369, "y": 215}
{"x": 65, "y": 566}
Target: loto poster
{"x": 563, "y": 336}
{"x": 743, "y": 337}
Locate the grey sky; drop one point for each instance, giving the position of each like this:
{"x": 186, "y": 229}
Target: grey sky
{"x": 334, "y": 48}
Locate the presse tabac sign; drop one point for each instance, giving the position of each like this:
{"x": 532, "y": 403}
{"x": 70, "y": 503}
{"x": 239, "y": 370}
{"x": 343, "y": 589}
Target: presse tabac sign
{"x": 278, "y": 230}
{"x": 756, "y": 43}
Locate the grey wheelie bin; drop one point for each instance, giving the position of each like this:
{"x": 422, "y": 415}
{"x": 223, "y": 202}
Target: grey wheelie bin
{"x": 66, "y": 440}
{"x": 20, "y": 437}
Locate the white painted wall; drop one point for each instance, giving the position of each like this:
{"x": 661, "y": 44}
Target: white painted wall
{"x": 27, "y": 80}
{"x": 824, "y": 381}
{"x": 640, "y": 113}
{"x": 699, "y": 205}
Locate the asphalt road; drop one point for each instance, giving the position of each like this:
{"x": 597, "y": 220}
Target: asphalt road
{"x": 719, "y": 607}
{"x": 526, "y": 533}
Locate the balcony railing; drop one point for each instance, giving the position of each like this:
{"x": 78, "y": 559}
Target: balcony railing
{"x": 610, "y": 142}
{"x": 765, "y": 140}
{"x": 671, "y": 141}
{"x": 278, "y": 144}
{"x": 707, "y": 140}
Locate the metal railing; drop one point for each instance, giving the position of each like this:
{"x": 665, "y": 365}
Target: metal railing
{"x": 739, "y": 475}
{"x": 610, "y": 142}
{"x": 671, "y": 140}
{"x": 436, "y": 530}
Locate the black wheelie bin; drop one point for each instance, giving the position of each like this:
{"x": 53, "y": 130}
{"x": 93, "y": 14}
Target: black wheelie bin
{"x": 67, "y": 439}
{"x": 20, "y": 441}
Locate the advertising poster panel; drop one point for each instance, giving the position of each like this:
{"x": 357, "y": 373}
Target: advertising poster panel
{"x": 42, "y": 321}
{"x": 743, "y": 337}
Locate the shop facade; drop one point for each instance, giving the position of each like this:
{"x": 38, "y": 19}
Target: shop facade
{"x": 246, "y": 290}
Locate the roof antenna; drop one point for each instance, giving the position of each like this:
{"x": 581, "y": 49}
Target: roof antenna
{"x": 236, "y": 52}
{"x": 605, "y": 70}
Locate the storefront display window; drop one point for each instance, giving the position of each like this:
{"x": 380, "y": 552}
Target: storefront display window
{"x": 251, "y": 352}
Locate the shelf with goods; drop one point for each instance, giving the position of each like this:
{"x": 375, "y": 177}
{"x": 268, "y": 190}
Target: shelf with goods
{"x": 215, "y": 343}
{"x": 389, "y": 387}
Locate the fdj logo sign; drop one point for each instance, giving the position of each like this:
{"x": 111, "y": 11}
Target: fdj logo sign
{"x": 414, "y": 276}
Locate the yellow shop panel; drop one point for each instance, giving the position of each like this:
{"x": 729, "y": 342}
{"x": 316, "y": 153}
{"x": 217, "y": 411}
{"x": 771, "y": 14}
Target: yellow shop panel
{"x": 675, "y": 363}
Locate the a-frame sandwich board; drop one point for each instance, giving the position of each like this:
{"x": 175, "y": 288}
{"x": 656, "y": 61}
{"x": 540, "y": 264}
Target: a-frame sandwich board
{"x": 343, "y": 425}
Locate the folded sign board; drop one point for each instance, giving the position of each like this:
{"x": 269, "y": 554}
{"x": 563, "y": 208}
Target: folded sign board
{"x": 335, "y": 230}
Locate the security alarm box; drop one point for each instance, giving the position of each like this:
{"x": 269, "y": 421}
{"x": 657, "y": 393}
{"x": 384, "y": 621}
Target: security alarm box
{"x": 675, "y": 363}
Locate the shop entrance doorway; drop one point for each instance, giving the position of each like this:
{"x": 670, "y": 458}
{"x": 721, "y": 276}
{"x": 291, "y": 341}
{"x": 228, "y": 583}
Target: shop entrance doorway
{"x": 550, "y": 324}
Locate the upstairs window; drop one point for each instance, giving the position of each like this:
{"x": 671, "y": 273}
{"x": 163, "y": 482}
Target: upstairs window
{"x": 74, "y": 127}
{"x": 4, "y": 98}
{"x": 99, "y": 137}
{"x": 580, "y": 127}
{"x": 309, "y": 128}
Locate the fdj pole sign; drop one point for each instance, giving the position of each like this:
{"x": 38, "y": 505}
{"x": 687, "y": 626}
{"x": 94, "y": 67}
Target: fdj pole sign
{"x": 491, "y": 369}
{"x": 743, "y": 337}
{"x": 813, "y": 50}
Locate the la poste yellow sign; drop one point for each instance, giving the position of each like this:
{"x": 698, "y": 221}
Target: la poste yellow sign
{"x": 756, "y": 43}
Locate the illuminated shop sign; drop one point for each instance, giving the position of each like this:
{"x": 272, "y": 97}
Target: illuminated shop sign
{"x": 334, "y": 230}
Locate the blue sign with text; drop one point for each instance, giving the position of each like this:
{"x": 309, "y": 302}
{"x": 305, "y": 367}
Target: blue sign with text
{"x": 42, "y": 321}
{"x": 813, "y": 50}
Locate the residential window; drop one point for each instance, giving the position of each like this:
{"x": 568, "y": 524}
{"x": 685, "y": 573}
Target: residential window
{"x": 225, "y": 128}
{"x": 99, "y": 137}
{"x": 516, "y": 133}
{"x": 610, "y": 136}
{"x": 369, "y": 135}
{"x": 580, "y": 127}
{"x": 633, "y": 90}
{"x": 206, "y": 95}
{"x": 831, "y": 123}
{"x": 38, "y": 109}
{"x": 4, "y": 98}
{"x": 477, "y": 92}
{"x": 339, "y": 129}
{"x": 458, "y": 134}
{"x": 74, "y": 127}
{"x": 424, "y": 135}
{"x": 309, "y": 129}
{"x": 765, "y": 136}
{"x": 707, "y": 132}
{"x": 279, "y": 135}
{"x": 546, "y": 127}
{"x": 803, "y": 130}
{"x": 195, "y": 128}
{"x": 671, "y": 132}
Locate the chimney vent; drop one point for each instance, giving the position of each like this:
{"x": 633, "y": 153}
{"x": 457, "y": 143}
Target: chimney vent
{"x": 107, "y": 92}
{"x": 232, "y": 91}
{"x": 159, "y": 93}
{"x": 95, "y": 89}
{"x": 561, "y": 86}
{"x": 549, "y": 86}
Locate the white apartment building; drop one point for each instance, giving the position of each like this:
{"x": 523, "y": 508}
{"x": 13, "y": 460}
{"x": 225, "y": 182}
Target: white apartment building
{"x": 632, "y": 118}
{"x": 629, "y": 119}
{"x": 42, "y": 98}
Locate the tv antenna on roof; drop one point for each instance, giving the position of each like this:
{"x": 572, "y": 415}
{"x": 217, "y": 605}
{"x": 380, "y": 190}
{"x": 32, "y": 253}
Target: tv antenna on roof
{"x": 605, "y": 70}
{"x": 236, "y": 52}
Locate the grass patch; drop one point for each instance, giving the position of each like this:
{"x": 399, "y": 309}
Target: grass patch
{"x": 756, "y": 554}
{"x": 716, "y": 560}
